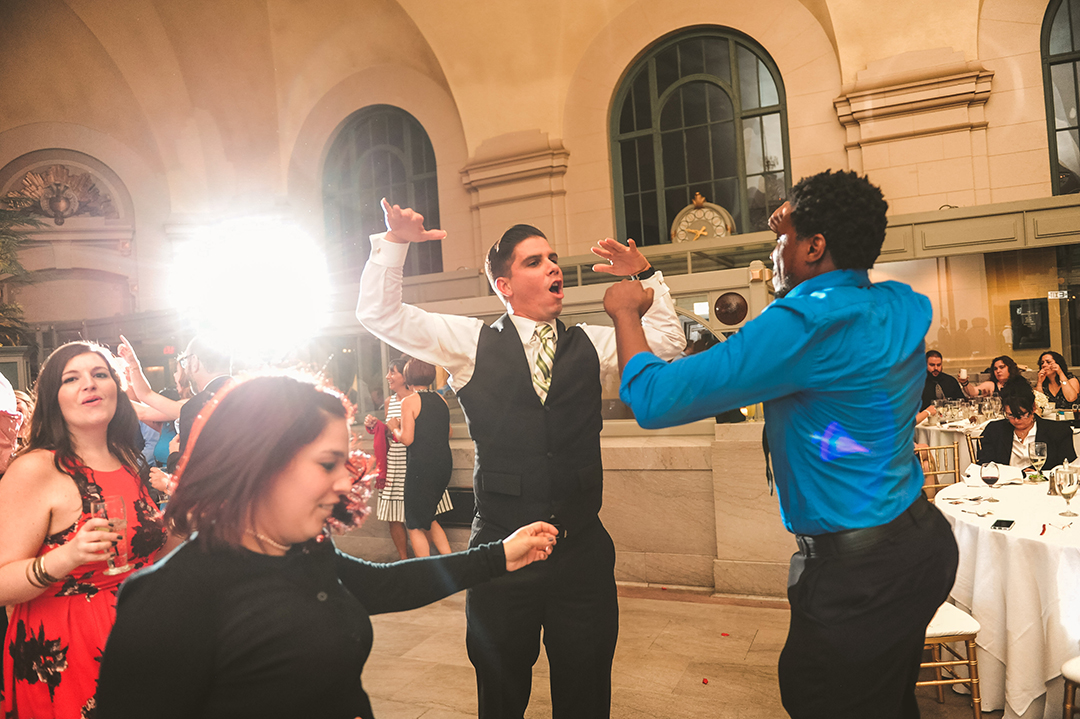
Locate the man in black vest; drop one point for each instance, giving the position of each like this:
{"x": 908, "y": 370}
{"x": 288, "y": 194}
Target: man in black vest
{"x": 531, "y": 391}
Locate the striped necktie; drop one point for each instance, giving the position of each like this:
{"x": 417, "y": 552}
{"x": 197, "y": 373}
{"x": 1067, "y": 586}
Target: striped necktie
{"x": 545, "y": 357}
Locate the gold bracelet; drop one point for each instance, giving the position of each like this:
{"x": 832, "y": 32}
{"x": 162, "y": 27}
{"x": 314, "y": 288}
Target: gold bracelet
{"x": 29, "y": 576}
{"x": 44, "y": 574}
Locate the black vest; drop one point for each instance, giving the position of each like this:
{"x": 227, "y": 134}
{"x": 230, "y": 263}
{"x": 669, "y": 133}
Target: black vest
{"x": 535, "y": 460}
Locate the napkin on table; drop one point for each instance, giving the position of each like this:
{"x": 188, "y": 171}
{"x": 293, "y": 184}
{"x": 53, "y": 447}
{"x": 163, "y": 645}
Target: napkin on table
{"x": 1007, "y": 474}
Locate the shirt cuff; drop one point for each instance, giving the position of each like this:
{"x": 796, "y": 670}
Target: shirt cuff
{"x": 386, "y": 253}
{"x": 656, "y": 282}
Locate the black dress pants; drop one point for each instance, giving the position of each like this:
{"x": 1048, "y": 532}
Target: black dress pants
{"x": 858, "y": 624}
{"x": 572, "y": 597}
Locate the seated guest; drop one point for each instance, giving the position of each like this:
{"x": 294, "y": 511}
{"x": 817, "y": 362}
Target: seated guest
{"x": 1006, "y": 441}
{"x": 1006, "y": 373}
{"x": 938, "y": 384}
{"x": 258, "y": 615}
{"x": 1056, "y": 382}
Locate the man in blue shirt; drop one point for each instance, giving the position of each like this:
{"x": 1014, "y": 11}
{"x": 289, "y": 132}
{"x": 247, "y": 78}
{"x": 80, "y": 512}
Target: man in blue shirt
{"x": 838, "y": 362}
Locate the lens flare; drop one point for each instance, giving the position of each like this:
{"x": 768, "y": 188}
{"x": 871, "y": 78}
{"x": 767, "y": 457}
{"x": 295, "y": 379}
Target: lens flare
{"x": 257, "y": 288}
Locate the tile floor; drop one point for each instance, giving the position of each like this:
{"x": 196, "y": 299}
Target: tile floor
{"x": 668, "y": 643}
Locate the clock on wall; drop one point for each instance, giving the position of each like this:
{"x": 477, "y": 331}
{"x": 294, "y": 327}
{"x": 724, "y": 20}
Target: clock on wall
{"x": 701, "y": 220}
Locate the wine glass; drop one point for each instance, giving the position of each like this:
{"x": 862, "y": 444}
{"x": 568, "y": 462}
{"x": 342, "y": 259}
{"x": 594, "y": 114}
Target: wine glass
{"x": 1068, "y": 481}
{"x": 990, "y": 476}
{"x": 1037, "y": 455}
{"x": 113, "y": 509}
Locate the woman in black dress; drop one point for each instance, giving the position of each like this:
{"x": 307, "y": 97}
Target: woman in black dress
{"x": 425, "y": 430}
{"x": 257, "y": 615}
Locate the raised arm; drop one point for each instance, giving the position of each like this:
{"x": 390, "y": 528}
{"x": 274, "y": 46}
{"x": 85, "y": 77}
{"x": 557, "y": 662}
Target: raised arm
{"x": 445, "y": 340}
{"x": 155, "y": 408}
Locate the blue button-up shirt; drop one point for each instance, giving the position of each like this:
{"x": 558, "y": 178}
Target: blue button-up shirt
{"x": 839, "y": 363}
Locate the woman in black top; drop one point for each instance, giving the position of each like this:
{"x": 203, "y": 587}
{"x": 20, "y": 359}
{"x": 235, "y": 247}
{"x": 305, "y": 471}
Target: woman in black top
{"x": 425, "y": 431}
{"x": 258, "y": 615}
{"x": 1005, "y": 374}
{"x": 1056, "y": 382}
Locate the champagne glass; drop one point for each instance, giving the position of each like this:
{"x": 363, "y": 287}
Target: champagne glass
{"x": 112, "y": 509}
{"x": 990, "y": 477}
{"x": 1037, "y": 455}
{"x": 1068, "y": 481}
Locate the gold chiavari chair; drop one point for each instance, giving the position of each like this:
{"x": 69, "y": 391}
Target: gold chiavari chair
{"x": 1071, "y": 671}
{"x": 952, "y": 624}
{"x": 974, "y": 447}
{"x": 943, "y": 457}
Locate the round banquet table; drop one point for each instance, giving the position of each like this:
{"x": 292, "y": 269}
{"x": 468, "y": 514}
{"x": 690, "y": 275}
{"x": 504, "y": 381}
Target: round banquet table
{"x": 1023, "y": 587}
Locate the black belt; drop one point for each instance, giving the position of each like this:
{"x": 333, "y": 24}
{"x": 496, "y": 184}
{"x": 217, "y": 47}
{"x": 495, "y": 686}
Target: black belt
{"x": 852, "y": 541}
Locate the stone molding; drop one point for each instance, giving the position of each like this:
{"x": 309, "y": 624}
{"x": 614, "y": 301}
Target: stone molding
{"x": 518, "y": 177}
{"x": 515, "y": 160}
{"x": 862, "y": 112}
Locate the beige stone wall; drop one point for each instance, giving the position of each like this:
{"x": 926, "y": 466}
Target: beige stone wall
{"x": 211, "y": 108}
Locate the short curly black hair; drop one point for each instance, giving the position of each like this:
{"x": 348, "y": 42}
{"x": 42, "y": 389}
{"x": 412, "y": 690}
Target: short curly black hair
{"x": 847, "y": 210}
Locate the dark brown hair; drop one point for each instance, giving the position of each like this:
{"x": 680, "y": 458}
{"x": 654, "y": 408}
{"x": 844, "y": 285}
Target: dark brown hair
{"x": 501, "y": 255}
{"x": 49, "y": 430}
{"x": 419, "y": 373}
{"x": 248, "y": 433}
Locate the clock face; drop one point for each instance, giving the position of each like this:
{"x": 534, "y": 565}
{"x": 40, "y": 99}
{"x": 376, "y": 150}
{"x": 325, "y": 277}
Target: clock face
{"x": 701, "y": 223}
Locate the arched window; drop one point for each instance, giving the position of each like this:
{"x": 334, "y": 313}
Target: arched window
{"x": 702, "y": 111}
{"x": 382, "y": 152}
{"x": 1061, "y": 56}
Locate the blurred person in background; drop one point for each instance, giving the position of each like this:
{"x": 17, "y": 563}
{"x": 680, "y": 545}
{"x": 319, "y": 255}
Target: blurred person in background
{"x": 391, "y": 504}
{"x": 1056, "y": 381}
{"x": 424, "y": 428}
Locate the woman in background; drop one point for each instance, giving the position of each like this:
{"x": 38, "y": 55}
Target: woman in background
{"x": 1056, "y": 382}
{"x": 255, "y": 617}
{"x": 391, "y": 504}
{"x": 425, "y": 429}
{"x": 1005, "y": 373}
{"x": 53, "y": 557}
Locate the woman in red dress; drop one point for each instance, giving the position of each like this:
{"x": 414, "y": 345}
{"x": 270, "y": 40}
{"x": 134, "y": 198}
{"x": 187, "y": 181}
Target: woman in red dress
{"x": 53, "y": 554}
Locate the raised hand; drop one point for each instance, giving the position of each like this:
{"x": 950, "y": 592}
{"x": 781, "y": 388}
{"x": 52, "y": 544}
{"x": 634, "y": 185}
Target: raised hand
{"x": 622, "y": 260}
{"x": 531, "y": 543}
{"x": 407, "y": 225}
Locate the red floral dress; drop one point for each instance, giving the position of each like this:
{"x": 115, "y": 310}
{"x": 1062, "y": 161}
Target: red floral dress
{"x": 53, "y": 646}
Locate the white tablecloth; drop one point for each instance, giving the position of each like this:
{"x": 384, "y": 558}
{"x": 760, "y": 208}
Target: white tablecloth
{"x": 1023, "y": 586}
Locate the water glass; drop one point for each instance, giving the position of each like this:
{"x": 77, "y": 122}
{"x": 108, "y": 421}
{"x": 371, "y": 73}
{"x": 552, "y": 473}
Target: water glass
{"x": 1067, "y": 482}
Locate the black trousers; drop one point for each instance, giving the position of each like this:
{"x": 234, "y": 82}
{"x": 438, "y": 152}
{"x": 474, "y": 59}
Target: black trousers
{"x": 858, "y": 624}
{"x": 572, "y": 596}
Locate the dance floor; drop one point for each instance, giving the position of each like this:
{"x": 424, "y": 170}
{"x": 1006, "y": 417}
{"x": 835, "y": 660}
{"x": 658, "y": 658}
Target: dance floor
{"x": 670, "y": 643}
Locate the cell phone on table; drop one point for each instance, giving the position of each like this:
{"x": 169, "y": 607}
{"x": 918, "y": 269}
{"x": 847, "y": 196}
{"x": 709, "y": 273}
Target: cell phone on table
{"x": 1003, "y": 524}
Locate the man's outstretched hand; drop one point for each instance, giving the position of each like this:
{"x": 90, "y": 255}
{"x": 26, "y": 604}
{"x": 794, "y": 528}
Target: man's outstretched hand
{"x": 407, "y": 225}
{"x": 622, "y": 260}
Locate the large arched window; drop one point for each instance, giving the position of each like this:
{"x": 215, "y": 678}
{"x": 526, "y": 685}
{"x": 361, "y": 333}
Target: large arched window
{"x": 1061, "y": 57}
{"x": 381, "y": 152}
{"x": 702, "y": 111}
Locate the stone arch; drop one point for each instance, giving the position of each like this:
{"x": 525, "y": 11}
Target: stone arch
{"x": 426, "y": 100}
{"x": 110, "y": 249}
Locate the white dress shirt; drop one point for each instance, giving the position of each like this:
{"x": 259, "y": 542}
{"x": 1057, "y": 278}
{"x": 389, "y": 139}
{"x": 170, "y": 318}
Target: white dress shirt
{"x": 1020, "y": 456}
{"x": 450, "y": 341}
